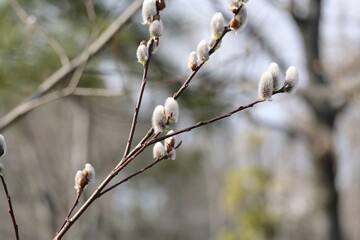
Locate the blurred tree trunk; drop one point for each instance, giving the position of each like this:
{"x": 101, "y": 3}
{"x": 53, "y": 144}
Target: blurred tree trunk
{"x": 325, "y": 113}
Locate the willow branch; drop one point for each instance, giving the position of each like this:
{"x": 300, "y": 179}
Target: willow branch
{"x": 131, "y": 176}
{"x": 96, "y": 194}
{"x": 180, "y": 91}
{"x": 138, "y": 103}
{"x": 156, "y": 139}
{"x": 11, "y": 210}
{"x": 70, "y": 211}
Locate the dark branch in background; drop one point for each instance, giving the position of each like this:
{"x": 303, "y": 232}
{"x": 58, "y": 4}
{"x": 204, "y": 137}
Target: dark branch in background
{"x": 64, "y": 71}
{"x": 11, "y": 210}
{"x": 24, "y": 17}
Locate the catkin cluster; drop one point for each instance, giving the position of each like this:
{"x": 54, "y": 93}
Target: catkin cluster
{"x": 163, "y": 116}
{"x": 218, "y": 28}
{"x": 151, "y": 16}
{"x": 269, "y": 81}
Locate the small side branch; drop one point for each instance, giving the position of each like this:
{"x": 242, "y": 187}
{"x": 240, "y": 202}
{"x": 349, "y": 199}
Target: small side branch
{"x": 131, "y": 176}
{"x": 11, "y": 210}
{"x": 138, "y": 104}
{"x": 203, "y": 123}
{"x": 70, "y": 212}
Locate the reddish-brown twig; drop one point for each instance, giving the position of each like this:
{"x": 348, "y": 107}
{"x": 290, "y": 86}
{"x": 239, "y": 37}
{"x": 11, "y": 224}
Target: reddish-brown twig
{"x": 70, "y": 211}
{"x": 138, "y": 103}
{"x": 11, "y": 210}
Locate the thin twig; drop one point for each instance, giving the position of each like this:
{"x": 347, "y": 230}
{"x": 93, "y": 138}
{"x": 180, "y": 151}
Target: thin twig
{"x": 138, "y": 104}
{"x": 193, "y": 73}
{"x": 97, "y": 193}
{"x": 70, "y": 211}
{"x": 130, "y": 176}
{"x": 156, "y": 139}
{"x": 179, "y": 92}
{"x": 202, "y": 123}
{"x": 140, "y": 148}
{"x": 11, "y": 210}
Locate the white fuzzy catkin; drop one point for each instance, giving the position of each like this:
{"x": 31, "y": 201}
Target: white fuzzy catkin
{"x": 192, "y": 61}
{"x": 158, "y": 119}
{"x": 265, "y": 89}
{"x": 212, "y": 42}
{"x": 156, "y": 28}
{"x": 171, "y": 108}
{"x": 158, "y": 150}
{"x": 169, "y": 142}
{"x": 239, "y": 20}
{"x": 2, "y": 145}
{"x": 149, "y": 11}
{"x": 172, "y": 154}
{"x": 202, "y": 51}
{"x": 242, "y": 16}
{"x": 273, "y": 69}
{"x": 78, "y": 179}
{"x": 291, "y": 78}
{"x": 91, "y": 172}
{"x": 142, "y": 54}
{"x": 217, "y": 25}
{"x": 234, "y": 4}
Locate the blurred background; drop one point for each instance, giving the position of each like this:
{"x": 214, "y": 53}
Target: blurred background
{"x": 286, "y": 169}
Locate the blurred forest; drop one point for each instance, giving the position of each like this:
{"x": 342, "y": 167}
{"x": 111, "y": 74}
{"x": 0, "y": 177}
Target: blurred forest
{"x": 287, "y": 169}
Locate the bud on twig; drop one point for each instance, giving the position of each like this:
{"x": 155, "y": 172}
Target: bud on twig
{"x": 170, "y": 146}
{"x": 291, "y": 78}
{"x": 217, "y": 25}
{"x": 192, "y": 61}
{"x": 156, "y": 28}
{"x": 158, "y": 119}
{"x": 160, "y": 5}
{"x": 158, "y": 150}
{"x": 273, "y": 69}
{"x": 239, "y": 20}
{"x": 202, "y": 51}
{"x": 149, "y": 11}
{"x": 84, "y": 177}
{"x": 171, "y": 110}
{"x": 169, "y": 142}
{"x": 142, "y": 53}
{"x": 212, "y": 43}
{"x": 265, "y": 89}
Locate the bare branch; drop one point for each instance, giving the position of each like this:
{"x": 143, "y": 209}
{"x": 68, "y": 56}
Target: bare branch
{"x": 24, "y": 17}
{"x": 98, "y": 92}
{"x": 70, "y": 211}
{"x": 11, "y": 210}
{"x": 67, "y": 69}
{"x": 138, "y": 104}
